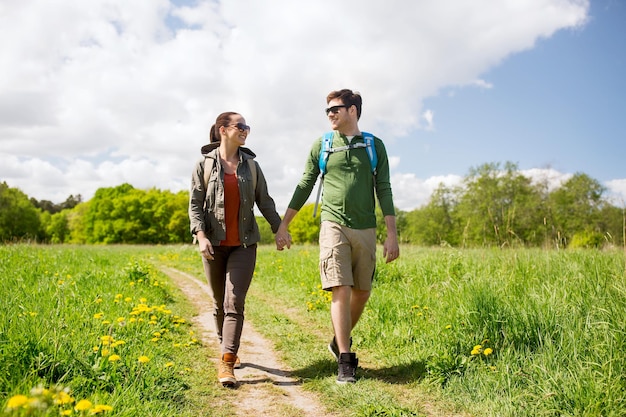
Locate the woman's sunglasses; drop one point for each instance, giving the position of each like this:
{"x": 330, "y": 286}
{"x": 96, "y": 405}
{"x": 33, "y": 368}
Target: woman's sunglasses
{"x": 241, "y": 127}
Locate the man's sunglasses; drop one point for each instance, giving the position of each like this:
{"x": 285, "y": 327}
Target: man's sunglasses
{"x": 241, "y": 127}
{"x": 335, "y": 109}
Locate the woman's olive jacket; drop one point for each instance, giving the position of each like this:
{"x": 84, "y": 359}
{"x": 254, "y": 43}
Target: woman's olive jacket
{"x": 206, "y": 199}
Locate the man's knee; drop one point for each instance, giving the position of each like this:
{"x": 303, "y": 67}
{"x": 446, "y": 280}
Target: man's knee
{"x": 360, "y": 295}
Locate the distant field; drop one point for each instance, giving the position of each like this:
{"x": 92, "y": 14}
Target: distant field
{"x": 483, "y": 332}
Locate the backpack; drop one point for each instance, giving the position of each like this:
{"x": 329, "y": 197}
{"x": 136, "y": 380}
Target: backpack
{"x": 327, "y": 148}
{"x": 209, "y": 163}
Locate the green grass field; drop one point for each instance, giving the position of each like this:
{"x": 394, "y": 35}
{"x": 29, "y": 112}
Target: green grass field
{"x": 482, "y": 332}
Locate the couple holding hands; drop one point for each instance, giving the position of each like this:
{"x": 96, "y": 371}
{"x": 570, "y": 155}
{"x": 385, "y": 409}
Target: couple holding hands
{"x": 227, "y": 182}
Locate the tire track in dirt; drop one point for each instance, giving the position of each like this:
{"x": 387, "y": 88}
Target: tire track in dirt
{"x": 265, "y": 387}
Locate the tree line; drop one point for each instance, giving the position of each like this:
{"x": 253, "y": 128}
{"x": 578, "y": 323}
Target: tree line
{"x": 493, "y": 206}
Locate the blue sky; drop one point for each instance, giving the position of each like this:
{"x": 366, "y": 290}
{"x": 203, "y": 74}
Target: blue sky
{"x": 126, "y": 92}
{"x": 560, "y": 104}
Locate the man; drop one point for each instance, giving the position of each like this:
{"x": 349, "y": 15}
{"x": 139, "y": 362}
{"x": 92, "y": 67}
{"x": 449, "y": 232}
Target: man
{"x": 347, "y": 238}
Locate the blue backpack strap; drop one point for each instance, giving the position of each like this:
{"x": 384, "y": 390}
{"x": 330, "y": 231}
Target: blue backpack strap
{"x": 327, "y": 144}
{"x": 368, "y": 138}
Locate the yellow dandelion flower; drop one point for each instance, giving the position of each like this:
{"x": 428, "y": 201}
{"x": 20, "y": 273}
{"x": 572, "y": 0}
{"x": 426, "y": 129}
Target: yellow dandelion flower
{"x": 143, "y": 300}
{"x": 121, "y": 319}
{"x": 449, "y": 326}
{"x": 475, "y": 352}
{"x": 106, "y": 322}
{"x": 66, "y": 412}
{"x": 98, "y": 300}
{"x": 169, "y": 364}
{"x": 144, "y": 359}
{"x": 105, "y": 352}
{"x": 114, "y": 358}
{"x": 100, "y": 408}
{"x": 106, "y": 340}
{"x": 487, "y": 351}
{"x": 83, "y": 405}
{"x": 118, "y": 296}
{"x": 63, "y": 398}
{"x": 98, "y": 315}
{"x": 17, "y": 401}
{"x": 128, "y": 299}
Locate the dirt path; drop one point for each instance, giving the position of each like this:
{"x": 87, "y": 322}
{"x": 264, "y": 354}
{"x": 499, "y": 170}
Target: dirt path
{"x": 265, "y": 385}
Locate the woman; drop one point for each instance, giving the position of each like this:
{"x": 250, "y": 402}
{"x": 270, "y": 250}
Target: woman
{"x": 224, "y": 187}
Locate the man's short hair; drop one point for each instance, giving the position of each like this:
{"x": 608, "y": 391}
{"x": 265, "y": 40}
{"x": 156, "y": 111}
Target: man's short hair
{"x": 347, "y": 97}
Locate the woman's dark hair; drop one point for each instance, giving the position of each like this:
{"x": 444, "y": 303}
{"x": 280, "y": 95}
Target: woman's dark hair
{"x": 222, "y": 120}
{"x": 348, "y": 98}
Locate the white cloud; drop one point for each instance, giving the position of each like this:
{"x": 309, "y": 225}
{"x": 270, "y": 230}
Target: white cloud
{"x": 429, "y": 118}
{"x": 550, "y": 177}
{"x": 617, "y": 192}
{"x": 483, "y": 84}
{"x": 410, "y": 192}
{"x": 97, "y": 93}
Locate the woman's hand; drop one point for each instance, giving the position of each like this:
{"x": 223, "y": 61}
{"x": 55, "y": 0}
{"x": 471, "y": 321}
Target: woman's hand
{"x": 205, "y": 248}
{"x": 283, "y": 238}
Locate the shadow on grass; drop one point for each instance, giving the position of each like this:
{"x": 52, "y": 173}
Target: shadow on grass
{"x": 397, "y": 374}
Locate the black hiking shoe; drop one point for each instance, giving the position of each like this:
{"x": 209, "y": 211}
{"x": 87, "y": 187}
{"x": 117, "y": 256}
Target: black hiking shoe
{"x": 347, "y": 368}
{"x": 334, "y": 349}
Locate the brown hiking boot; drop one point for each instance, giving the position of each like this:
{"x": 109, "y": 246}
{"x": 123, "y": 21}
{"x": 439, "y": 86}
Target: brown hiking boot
{"x": 226, "y": 375}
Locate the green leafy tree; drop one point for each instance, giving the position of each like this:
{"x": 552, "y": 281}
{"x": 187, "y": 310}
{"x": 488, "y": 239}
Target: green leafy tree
{"x": 267, "y": 237}
{"x": 124, "y": 214}
{"x": 77, "y": 223}
{"x": 500, "y": 206}
{"x": 305, "y": 228}
{"x": 57, "y": 229}
{"x": 19, "y": 219}
{"x": 613, "y": 224}
{"x": 576, "y": 207}
{"x": 178, "y": 224}
{"x": 436, "y": 223}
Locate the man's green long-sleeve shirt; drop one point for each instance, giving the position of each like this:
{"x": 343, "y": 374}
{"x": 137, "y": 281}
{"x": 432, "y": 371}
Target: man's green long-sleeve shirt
{"x": 348, "y": 196}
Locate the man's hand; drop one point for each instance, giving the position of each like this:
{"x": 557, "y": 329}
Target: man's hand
{"x": 283, "y": 238}
{"x": 391, "y": 250}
